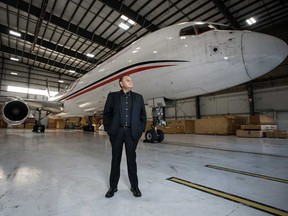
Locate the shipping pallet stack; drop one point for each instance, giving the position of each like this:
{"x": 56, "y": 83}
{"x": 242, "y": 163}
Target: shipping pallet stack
{"x": 261, "y": 126}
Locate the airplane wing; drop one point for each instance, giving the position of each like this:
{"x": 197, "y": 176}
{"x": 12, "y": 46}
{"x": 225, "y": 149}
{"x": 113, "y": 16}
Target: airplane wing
{"x": 51, "y": 106}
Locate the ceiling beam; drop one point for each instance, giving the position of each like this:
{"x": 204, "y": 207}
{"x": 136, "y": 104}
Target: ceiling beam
{"x": 224, "y": 10}
{"x": 22, "y": 5}
{"x": 48, "y": 45}
{"x": 43, "y": 60}
{"x": 123, "y": 9}
{"x": 39, "y": 23}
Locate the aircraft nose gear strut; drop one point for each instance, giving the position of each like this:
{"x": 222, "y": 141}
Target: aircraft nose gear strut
{"x": 154, "y": 134}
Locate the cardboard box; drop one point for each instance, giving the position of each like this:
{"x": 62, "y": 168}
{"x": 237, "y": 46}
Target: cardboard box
{"x": 3, "y": 124}
{"x": 277, "y": 134}
{"x": 221, "y": 125}
{"x": 176, "y": 127}
{"x": 270, "y": 133}
{"x": 250, "y": 133}
{"x": 21, "y": 126}
{"x": 51, "y": 125}
{"x": 261, "y": 119}
{"x": 258, "y": 127}
{"x": 281, "y": 134}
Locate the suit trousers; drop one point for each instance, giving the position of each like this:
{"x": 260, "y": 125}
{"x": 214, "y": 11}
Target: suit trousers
{"x": 124, "y": 136}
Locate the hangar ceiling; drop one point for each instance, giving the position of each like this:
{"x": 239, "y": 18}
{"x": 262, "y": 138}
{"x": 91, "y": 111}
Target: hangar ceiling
{"x": 57, "y": 35}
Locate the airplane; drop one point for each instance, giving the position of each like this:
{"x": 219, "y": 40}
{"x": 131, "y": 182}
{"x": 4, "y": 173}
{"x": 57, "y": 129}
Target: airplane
{"x": 179, "y": 61}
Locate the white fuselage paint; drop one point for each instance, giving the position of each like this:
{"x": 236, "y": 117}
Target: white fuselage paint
{"x": 164, "y": 64}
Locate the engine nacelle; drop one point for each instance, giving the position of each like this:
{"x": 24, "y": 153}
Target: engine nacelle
{"x": 15, "y": 112}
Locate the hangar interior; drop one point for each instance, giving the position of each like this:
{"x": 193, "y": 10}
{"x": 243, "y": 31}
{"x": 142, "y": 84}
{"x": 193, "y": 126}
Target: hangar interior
{"x": 56, "y": 38}
{"x": 65, "y": 172}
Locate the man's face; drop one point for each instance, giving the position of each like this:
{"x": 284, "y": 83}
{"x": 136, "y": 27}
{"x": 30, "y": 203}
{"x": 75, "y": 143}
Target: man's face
{"x": 126, "y": 83}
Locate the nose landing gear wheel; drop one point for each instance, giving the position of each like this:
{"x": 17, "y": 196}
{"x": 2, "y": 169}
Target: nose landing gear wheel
{"x": 154, "y": 136}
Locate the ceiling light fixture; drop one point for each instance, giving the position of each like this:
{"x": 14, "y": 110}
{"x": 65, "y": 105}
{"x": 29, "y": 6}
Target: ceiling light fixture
{"x": 124, "y": 17}
{"x": 72, "y": 71}
{"x": 15, "y": 33}
{"x": 251, "y": 21}
{"x": 14, "y": 59}
{"x": 90, "y": 55}
{"x": 13, "y": 73}
{"x": 123, "y": 26}
{"x": 61, "y": 81}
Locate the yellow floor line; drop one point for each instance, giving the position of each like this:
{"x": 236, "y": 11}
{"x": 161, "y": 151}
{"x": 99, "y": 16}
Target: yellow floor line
{"x": 248, "y": 174}
{"x": 251, "y": 203}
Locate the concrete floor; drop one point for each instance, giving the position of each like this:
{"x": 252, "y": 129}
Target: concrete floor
{"x": 65, "y": 172}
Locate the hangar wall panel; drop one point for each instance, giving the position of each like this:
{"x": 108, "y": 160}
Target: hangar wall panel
{"x": 270, "y": 101}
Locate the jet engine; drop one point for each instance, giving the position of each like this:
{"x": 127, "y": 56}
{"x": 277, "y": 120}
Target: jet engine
{"x": 15, "y": 111}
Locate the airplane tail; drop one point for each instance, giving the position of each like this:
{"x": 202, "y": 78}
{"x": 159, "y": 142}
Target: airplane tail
{"x": 48, "y": 89}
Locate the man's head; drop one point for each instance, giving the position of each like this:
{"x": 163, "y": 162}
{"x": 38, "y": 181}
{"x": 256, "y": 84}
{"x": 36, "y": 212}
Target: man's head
{"x": 126, "y": 83}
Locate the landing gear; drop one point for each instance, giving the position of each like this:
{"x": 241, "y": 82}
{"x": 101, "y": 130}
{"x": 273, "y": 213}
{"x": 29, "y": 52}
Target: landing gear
{"x": 38, "y": 127}
{"x": 154, "y": 134}
{"x": 89, "y": 127}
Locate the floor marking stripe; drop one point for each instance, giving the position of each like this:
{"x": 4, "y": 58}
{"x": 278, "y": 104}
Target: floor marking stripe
{"x": 248, "y": 174}
{"x": 219, "y": 148}
{"x": 235, "y": 198}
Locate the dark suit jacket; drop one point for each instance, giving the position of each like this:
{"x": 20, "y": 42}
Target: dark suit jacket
{"x": 111, "y": 115}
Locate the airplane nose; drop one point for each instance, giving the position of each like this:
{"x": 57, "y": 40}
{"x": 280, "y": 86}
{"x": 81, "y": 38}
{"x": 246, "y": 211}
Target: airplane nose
{"x": 262, "y": 53}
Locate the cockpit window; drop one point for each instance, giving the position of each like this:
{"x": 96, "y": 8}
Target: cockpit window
{"x": 201, "y": 28}
{"x": 188, "y": 31}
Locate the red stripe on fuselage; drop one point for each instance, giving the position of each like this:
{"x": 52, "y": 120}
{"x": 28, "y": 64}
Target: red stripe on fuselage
{"x": 136, "y": 70}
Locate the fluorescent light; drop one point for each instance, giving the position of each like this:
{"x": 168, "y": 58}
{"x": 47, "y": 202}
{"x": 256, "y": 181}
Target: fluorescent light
{"x": 14, "y": 59}
{"x": 124, "y": 17}
{"x": 128, "y": 20}
{"x": 251, "y": 21}
{"x": 90, "y": 55}
{"x": 29, "y": 90}
{"x": 61, "y": 81}
{"x": 72, "y": 71}
{"x": 15, "y": 33}
{"x": 124, "y": 26}
{"x": 13, "y": 73}
{"x": 131, "y": 22}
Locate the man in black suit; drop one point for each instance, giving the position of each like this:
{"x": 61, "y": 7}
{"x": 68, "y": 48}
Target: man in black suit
{"x": 124, "y": 119}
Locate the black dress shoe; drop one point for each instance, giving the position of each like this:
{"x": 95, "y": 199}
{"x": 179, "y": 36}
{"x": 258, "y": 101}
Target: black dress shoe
{"x": 136, "y": 192}
{"x": 110, "y": 192}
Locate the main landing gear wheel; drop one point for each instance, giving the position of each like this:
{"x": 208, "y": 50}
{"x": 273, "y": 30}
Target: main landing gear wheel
{"x": 38, "y": 128}
{"x": 154, "y": 136}
{"x": 89, "y": 126}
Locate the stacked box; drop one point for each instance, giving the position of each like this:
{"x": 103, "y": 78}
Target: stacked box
{"x": 250, "y": 133}
{"x": 261, "y": 119}
{"x": 223, "y": 125}
{"x": 175, "y": 127}
{"x": 277, "y": 134}
{"x": 258, "y": 127}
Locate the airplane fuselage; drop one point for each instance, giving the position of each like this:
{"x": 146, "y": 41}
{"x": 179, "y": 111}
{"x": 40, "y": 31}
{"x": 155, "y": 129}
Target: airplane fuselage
{"x": 174, "y": 64}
